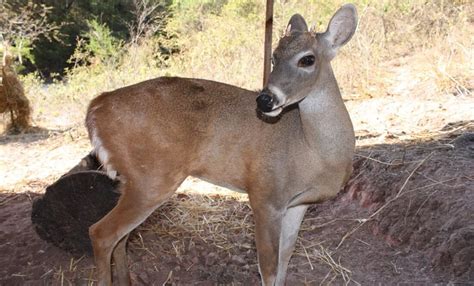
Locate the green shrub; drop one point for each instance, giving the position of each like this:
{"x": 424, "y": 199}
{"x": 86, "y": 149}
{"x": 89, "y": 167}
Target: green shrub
{"x": 100, "y": 45}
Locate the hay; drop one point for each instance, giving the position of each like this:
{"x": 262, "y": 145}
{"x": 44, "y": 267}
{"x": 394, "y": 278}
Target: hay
{"x": 13, "y": 99}
{"x": 207, "y": 217}
{"x": 3, "y": 98}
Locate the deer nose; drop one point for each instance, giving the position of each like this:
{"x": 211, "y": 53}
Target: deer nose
{"x": 265, "y": 101}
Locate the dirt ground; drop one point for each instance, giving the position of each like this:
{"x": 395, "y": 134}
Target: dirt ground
{"x": 405, "y": 217}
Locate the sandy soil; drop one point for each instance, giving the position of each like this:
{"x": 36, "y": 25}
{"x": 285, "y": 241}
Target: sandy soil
{"x": 405, "y": 216}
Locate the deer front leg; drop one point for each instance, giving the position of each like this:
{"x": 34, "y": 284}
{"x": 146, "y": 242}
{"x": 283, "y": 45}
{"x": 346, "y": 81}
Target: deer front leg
{"x": 289, "y": 233}
{"x": 267, "y": 239}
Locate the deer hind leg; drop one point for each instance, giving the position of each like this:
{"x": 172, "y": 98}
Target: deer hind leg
{"x": 289, "y": 233}
{"x": 133, "y": 207}
{"x": 120, "y": 259}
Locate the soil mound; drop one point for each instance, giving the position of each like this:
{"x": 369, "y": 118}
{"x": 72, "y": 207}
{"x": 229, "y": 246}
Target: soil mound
{"x": 423, "y": 192}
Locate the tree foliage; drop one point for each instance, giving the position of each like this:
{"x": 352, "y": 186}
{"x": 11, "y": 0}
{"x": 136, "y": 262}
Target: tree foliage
{"x": 22, "y": 23}
{"x": 53, "y": 28}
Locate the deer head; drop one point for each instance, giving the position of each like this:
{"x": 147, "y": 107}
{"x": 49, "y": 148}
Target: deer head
{"x": 300, "y": 57}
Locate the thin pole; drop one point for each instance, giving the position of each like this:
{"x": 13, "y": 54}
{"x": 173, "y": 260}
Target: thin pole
{"x": 268, "y": 42}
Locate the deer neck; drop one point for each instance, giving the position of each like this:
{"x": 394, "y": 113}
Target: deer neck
{"x": 326, "y": 124}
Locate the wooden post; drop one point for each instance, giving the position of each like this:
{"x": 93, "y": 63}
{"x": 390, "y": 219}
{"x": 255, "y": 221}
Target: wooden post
{"x": 268, "y": 42}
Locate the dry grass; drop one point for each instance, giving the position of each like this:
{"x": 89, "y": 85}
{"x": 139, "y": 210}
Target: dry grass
{"x": 223, "y": 221}
{"x": 225, "y": 48}
{"x": 405, "y": 48}
{"x": 433, "y": 37}
{"x": 208, "y": 215}
{"x": 13, "y": 100}
{"x": 216, "y": 217}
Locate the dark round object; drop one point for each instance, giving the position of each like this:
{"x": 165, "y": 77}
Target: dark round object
{"x": 265, "y": 102}
{"x": 70, "y": 206}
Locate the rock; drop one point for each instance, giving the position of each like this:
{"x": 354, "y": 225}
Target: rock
{"x": 239, "y": 260}
{"x": 211, "y": 259}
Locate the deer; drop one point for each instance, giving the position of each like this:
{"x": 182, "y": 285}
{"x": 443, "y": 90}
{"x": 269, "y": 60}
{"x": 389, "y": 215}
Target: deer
{"x": 288, "y": 146}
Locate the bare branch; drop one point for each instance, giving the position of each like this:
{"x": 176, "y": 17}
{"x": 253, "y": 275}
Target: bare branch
{"x": 148, "y": 19}
{"x": 28, "y": 21}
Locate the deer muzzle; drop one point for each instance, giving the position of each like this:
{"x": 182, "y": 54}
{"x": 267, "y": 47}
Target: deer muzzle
{"x": 266, "y": 101}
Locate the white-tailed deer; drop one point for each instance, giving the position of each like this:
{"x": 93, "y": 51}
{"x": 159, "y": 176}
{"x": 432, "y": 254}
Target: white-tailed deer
{"x": 158, "y": 132}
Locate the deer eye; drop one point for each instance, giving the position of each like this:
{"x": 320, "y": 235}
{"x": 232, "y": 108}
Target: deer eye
{"x": 306, "y": 61}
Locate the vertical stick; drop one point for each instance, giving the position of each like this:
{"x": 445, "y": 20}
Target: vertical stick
{"x": 268, "y": 42}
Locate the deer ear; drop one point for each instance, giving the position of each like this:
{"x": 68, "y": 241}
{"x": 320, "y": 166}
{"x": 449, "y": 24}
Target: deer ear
{"x": 296, "y": 23}
{"x": 341, "y": 28}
